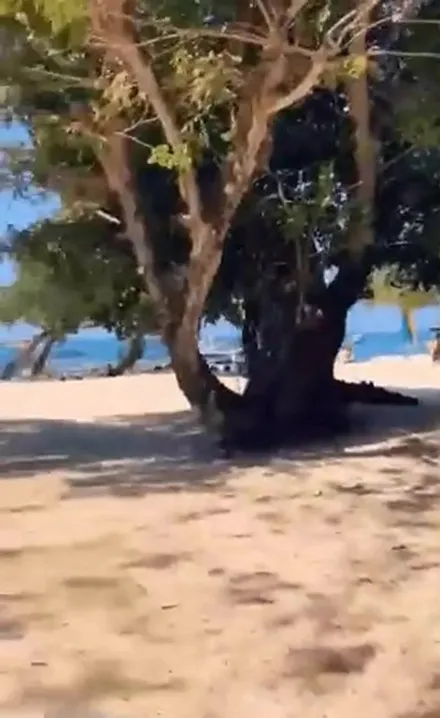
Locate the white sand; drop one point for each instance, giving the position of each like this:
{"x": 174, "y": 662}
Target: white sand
{"x": 142, "y": 577}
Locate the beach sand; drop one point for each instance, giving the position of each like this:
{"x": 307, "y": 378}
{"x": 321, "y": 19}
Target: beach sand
{"x": 140, "y": 576}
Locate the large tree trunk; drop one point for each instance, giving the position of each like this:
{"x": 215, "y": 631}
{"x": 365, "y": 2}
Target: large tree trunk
{"x": 23, "y": 357}
{"x": 133, "y": 354}
{"x": 293, "y": 389}
{"x": 292, "y": 394}
{"x": 40, "y": 362}
{"x": 304, "y": 397}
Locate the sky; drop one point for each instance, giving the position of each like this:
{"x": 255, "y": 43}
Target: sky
{"x": 20, "y": 213}
{"x": 15, "y": 212}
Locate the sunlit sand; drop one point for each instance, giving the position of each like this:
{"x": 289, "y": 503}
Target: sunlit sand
{"x": 142, "y": 576}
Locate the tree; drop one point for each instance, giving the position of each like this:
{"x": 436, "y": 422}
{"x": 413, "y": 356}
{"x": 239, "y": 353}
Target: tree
{"x": 169, "y": 123}
{"x": 386, "y": 289}
{"x": 133, "y": 353}
{"x": 42, "y": 358}
{"x": 70, "y": 274}
{"x": 23, "y": 357}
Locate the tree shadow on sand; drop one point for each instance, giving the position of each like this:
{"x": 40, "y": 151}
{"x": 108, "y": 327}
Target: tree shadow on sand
{"x": 122, "y": 455}
{"x": 133, "y": 455}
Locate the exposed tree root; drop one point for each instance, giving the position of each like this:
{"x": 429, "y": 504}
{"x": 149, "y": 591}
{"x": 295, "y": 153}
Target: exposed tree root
{"x": 322, "y": 419}
{"x": 368, "y": 393}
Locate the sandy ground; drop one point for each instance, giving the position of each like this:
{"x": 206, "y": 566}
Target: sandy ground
{"x": 142, "y": 577}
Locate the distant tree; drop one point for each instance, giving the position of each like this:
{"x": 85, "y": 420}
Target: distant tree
{"x": 387, "y": 289}
{"x": 133, "y": 353}
{"x": 70, "y": 276}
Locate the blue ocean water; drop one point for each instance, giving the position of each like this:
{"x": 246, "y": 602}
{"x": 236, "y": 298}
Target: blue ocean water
{"x": 85, "y": 353}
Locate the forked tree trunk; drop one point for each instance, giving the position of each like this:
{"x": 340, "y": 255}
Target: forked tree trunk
{"x": 267, "y": 91}
{"x": 23, "y": 357}
{"x": 133, "y": 354}
{"x": 300, "y": 387}
{"x": 294, "y": 392}
{"x": 41, "y": 360}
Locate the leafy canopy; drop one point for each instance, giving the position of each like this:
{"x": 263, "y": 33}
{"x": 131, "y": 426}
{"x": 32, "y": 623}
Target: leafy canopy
{"x": 71, "y": 100}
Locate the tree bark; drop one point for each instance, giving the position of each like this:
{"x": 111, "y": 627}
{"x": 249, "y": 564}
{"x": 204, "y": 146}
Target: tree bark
{"x": 215, "y": 403}
{"x": 296, "y": 399}
{"x": 360, "y": 235}
{"x": 293, "y": 391}
{"x": 131, "y": 356}
{"x": 40, "y": 362}
{"x": 249, "y": 337}
{"x": 22, "y": 358}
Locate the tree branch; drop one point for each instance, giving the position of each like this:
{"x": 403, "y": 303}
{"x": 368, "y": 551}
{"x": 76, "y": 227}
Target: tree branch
{"x": 266, "y": 93}
{"x": 114, "y": 161}
{"x": 361, "y": 232}
{"x": 177, "y": 33}
{"x": 254, "y": 119}
{"x": 294, "y": 9}
{"x": 115, "y": 25}
{"x": 358, "y": 24}
{"x": 312, "y": 78}
{"x": 266, "y": 14}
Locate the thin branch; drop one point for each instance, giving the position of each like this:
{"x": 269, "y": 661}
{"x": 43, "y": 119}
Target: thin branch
{"x": 403, "y": 20}
{"x": 307, "y": 83}
{"x": 357, "y": 90}
{"x": 191, "y": 34}
{"x": 148, "y": 84}
{"x": 114, "y": 161}
{"x": 72, "y": 79}
{"x": 266, "y": 15}
{"x": 293, "y": 11}
{"x": 359, "y": 22}
{"x": 396, "y": 159}
{"x": 258, "y": 41}
{"x": 401, "y": 53}
{"x": 108, "y": 217}
{"x": 110, "y": 27}
{"x": 133, "y": 138}
{"x": 339, "y": 25}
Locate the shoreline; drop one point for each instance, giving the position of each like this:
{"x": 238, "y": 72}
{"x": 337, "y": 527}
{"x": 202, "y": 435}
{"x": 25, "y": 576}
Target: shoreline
{"x": 84, "y": 356}
{"x": 224, "y": 369}
{"x": 157, "y": 391}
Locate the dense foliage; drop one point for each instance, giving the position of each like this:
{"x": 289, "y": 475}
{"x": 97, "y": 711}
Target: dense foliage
{"x": 74, "y": 271}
